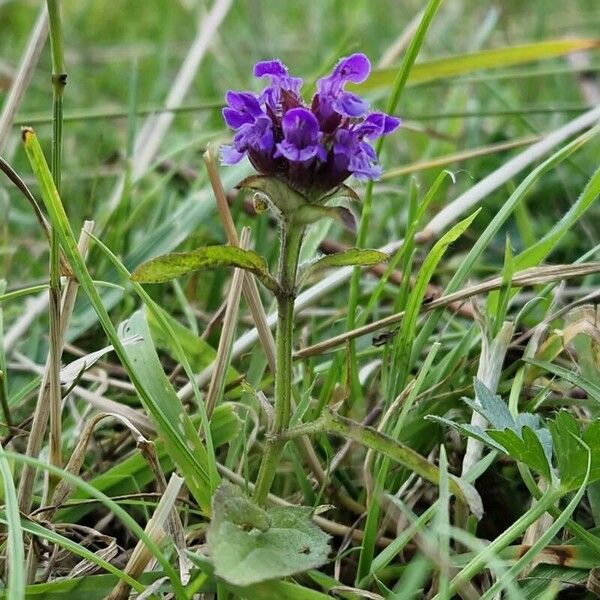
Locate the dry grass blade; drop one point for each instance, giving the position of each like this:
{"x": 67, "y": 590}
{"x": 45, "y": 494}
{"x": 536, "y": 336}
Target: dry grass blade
{"x": 64, "y": 488}
{"x": 40, "y": 418}
{"x": 155, "y": 529}
{"x": 217, "y": 381}
{"x": 528, "y": 277}
{"x": 29, "y": 61}
{"x": 448, "y": 159}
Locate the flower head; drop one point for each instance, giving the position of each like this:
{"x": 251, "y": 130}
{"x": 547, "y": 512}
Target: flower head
{"x": 316, "y": 147}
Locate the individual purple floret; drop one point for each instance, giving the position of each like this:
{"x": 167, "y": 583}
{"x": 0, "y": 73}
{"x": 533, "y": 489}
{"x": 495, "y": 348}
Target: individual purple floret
{"x": 315, "y": 147}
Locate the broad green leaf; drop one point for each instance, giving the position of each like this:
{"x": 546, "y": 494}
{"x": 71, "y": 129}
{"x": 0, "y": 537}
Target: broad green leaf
{"x": 452, "y": 66}
{"x": 526, "y": 448}
{"x": 280, "y": 197}
{"x": 266, "y": 590}
{"x": 311, "y": 213}
{"x": 172, "y": 422}
{"x": 571, "y": 456}
{"x": 351, "y": 257}
{"x": 286, "y": 542}
{"x": 169, "y": 266}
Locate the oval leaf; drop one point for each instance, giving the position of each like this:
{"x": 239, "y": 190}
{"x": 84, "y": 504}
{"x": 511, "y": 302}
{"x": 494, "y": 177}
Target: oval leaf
{"x": 169, "y": 266}
{"x": 363, "y": 257}
{"x": 249, "y": 545}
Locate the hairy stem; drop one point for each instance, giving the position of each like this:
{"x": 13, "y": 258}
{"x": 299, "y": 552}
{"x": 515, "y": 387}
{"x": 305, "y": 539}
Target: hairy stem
{"x": 291, "y": 240}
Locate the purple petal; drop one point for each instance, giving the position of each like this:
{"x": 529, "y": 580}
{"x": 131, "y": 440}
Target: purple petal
{"x": 230, "y": 156}
{"x": 376, "y": 125}
{"x": 300, "y": 127}
{"x": 243, "y": 108}
{"x": 274, "y": 68}
{"x": 235, "y": 119}
{"x": 294, "y": 153}
{"x": 354, "y": 68}
{"x": 351, "y": 105}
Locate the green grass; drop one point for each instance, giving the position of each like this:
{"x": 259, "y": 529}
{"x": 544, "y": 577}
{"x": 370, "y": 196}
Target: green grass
{"x": 476, "y": 78}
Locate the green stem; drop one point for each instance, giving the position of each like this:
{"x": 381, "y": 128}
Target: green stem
{"x": 59, "y": 80}
{"x": 332, "y": 423}
{"x": 291, "y": 240}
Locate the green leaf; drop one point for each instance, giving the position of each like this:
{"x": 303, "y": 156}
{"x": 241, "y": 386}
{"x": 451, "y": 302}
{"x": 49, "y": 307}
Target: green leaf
{"x": 451, "y": 66}
{"x": 311, "y": 213}
{"x": 571, "y": 456}
{"x": 526, "y": 448}
{"x": 249, "y": 545}
{"x": 172, "y": 421}
{"x": 592, "y": 389}
{"x": 266, "y": 590}
{"x": 169, "y": 266}
{"x": 282, "y": 199}
{"x": 15, "y": 550}
{"x": 523, "y": 438}
{"x": 351, "y": 257}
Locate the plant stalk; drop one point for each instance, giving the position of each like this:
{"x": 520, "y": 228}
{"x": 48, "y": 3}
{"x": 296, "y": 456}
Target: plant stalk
{"x": 291, "y": 240}
{"x": 59, "y": 80}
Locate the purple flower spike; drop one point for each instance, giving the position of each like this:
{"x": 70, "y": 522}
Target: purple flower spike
{"x": 312, "y": 148}
{"x": 301, "y": 141}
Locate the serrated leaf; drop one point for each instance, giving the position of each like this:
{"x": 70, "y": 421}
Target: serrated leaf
{"x": 571, "y": 456}
{"x": 243, "y": 554}
{"x": 526, "y": 448}
{"x": 169, "y": 266}
{"x": 351, "y": 257}
{"x": 469, "y": 431}
{"x": 493, "y": 408}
